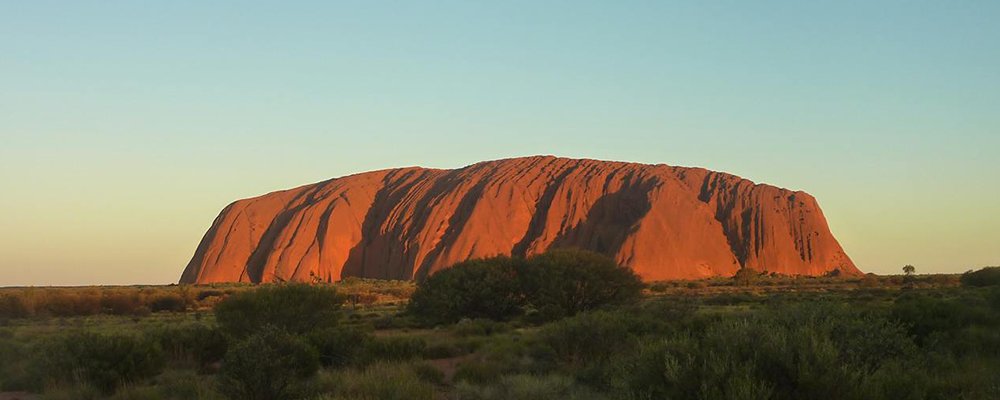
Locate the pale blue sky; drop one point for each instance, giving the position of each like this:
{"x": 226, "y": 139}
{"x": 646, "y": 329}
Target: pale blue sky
{"x": 126, "y": 126}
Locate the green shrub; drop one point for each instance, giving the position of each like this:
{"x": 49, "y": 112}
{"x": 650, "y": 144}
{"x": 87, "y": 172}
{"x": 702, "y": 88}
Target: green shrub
{"x": 339, "y": 347}
{"x": 196, "y": 343}
{"x": 267, "y": 365}
{"x": 555, "y": 284}
{"x": 482, "y": 288}
{"x": 428, "y": 373}
{"x": 505, "y": 355}
{"x": 379, "y": 381}
{"x": 989, "y": 276}
{"x": 479, "y": 372}
{"x": 393, "y": 348}
{"x": 577, "y": 280}
{"x": 14, "y": 366}
{"x": 296, "y": 308}
{"x": 185, "y": 384}
{"x": 590, "y": 338}
{"x": 819, "y": 352}
{"x": 925, "y": 315}
{"x": 103, "y": 361}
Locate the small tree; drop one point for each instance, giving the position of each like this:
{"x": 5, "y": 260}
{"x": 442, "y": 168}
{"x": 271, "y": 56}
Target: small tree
{"x": 909, "y": 270}
{"x": 573, "y": 280}
{"x": 295, "y": 308}
{"x": 482, "y": 288}
{"x": 557, "y": 283}
{"x": 745, "y": 277}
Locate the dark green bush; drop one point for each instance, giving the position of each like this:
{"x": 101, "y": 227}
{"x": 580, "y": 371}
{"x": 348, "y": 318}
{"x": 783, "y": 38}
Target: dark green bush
{"x": 14, "y": 366}
{"x": 479, "y": 327}
{"x": 553, "y": 285}
{"x": 477, "y": 371}
{"x": 167, "y": 302}
{"x": 196, "y": 343}
{"x": 989, "y": 276}
{"x": 591, "y": 338}
{"x": 577, "y": 280}
{"x": 295, "y": 308}
{"x": 506, "y": 354}
{"x": 822, "y": 352}
{"x": 339, "y": 347}
{"x": 547, "y": 313}
{"x": 267, "y": 365}
{"x": 483, "y": 288}
{"x": 12, "y": 306}
{"x": 428, "y": 373}
{"x": 964, "y": 324}
{"x": 104, "y": 361}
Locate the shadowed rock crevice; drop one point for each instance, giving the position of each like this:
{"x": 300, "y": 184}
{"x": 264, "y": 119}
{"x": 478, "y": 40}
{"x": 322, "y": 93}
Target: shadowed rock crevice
{"x": 395, "y": 186}
{"x": 610, "y": 220}
{"x": 538, "y": 219}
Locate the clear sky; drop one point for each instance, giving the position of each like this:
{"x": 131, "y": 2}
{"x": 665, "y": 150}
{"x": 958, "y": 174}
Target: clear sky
{"x": 125, "y": 127}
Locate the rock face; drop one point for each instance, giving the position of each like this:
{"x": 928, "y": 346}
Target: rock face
{"x": 664, "y": 222}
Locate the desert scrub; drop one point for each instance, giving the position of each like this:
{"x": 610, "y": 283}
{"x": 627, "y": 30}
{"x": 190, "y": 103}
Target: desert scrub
{"x": 989, "y": 276}
{"x": 479, "y": 327}
{"x": 267, "y": 365}
{"x": 191, "y": 344}
{"x": 104, "y": 361}
{"x": 393, "y": 348}
{"x": 591, "y": 338}
{"x": 379, "y": 381}
{"x": 341, "y": 346}
{"x": 526, "y": 387}
{"x": 185, "y": 384}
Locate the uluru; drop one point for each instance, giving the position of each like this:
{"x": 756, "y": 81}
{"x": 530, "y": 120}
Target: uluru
{"x": 662, "y": 221}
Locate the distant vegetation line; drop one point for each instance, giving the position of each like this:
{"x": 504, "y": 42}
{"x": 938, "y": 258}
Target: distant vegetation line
{"x": 566, "y": 324}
